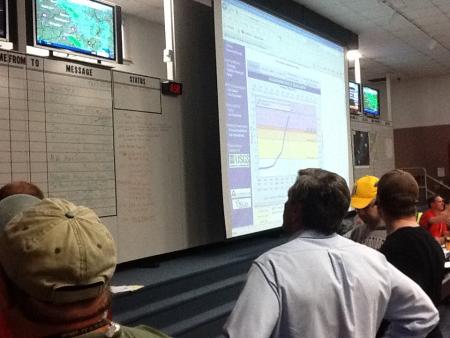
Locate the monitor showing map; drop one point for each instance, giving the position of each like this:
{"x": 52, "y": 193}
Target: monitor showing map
{"x": 371, "y": 102}
{"x": 282, "y": 94}
{"x": 86, "y": 27}
{"x": 3, "y": 20}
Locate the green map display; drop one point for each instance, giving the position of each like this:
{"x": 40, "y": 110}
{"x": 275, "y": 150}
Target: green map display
{"x": 371, "y": 101}
{"x": 81, "y": 26}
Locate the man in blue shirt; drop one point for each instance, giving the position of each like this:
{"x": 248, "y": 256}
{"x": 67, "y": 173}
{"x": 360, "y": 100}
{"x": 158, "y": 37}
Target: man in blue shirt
{"x": 323, "y": 285}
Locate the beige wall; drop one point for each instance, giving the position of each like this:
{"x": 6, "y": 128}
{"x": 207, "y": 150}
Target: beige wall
{"x": 421, "y": 102}
{"x": 144, "y": 42}
{"x": 421, "y": 120}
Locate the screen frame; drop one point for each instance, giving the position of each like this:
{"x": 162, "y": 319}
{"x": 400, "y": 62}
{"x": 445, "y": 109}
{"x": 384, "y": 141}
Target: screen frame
{"x": 370, "y": 114}
{"x": 220, "y": 67}
{"x": 6, "y": 37}
{"x": 352, "y": 111}
{"x": 271, "y": 11}
{"x": 116, "y": 32}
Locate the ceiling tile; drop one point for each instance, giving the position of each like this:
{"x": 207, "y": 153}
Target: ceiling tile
{"x": 398, "y": 22}
{"x": 423, "y": 12}
{"x": 436, "y": 29}
{"x": 407, "y": 5}
{"x": 442, "y": 4}
{"x": 438, "y": 19}
{"x": 376, "y": 12}
{"x": 359, "y": 25}
{"x": 410, "y": 33}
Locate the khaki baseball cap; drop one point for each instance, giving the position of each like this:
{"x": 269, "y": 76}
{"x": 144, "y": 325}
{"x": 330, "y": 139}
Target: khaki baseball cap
{"x": 56, "y": 251}
{"x": 364, "y": 192}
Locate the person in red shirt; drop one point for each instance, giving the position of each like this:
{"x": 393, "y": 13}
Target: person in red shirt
{"x": 436, "y": 218}
{"x": 13, "y": 188}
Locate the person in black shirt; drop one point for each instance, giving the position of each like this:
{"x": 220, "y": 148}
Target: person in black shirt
{"x": 408, "y": 247}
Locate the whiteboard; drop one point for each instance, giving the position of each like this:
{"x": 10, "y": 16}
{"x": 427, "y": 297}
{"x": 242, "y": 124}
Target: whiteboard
{"x": 98, "y": 138}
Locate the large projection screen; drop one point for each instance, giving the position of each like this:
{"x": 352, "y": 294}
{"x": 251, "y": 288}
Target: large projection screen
{"x": 282, "y": 107}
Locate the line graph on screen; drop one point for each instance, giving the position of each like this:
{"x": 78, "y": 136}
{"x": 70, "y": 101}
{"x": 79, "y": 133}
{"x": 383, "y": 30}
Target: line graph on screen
{"x": 286, "y": 135}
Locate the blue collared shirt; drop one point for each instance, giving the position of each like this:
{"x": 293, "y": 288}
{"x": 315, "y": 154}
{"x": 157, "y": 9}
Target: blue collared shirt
{"x": 328, "y": 286}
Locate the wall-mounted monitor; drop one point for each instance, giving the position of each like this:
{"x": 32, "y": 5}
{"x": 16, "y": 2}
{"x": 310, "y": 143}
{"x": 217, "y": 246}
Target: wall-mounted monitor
{"x": 4, "y": 18}
{"x": 354, "y": 97}
{"x": 83, "y": 27}
{"x": 371, "y": 103}
{"x": 282, "y": 93}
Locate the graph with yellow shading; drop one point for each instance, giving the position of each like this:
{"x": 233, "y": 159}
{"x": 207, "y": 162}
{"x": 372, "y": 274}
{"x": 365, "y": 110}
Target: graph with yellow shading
{"x": 290, "y": 144}
{"x": 287, "y": 136}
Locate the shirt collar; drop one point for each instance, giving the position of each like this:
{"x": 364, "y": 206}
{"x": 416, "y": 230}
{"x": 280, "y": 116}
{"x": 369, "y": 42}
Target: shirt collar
{"x": 308, "y": 233}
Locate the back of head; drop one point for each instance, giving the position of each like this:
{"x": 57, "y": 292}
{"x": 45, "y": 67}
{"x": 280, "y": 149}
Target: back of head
{"x": 323, "y": 198}
{"x": 20, "y": 187}
{"x": 55, "y": 251}
{"x": 398, "y": 193}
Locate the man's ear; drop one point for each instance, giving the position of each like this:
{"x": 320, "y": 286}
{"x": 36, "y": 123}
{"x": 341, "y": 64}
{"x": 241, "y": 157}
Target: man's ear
{"x": 296, "y": 216}
{"x": 292, "y": 218}
{"x": 380, "y": 211}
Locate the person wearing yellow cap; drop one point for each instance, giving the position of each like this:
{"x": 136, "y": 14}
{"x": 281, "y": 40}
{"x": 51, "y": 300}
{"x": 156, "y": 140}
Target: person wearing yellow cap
{"x": 373, "y": 231}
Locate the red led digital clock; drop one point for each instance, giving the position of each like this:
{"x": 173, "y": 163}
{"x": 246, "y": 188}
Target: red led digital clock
{"x": 171, "y": 88}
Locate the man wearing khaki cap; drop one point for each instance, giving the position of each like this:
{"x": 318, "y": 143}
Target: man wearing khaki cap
{"x": 373, "y": 232}
{"x": 58, "y": 259}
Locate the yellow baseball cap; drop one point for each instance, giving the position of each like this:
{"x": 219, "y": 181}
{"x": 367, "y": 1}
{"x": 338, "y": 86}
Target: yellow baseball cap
{"x": 364, "y": 191}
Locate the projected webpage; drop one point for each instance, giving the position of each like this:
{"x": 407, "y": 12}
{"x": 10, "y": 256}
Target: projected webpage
{"x": 282, "y": 108}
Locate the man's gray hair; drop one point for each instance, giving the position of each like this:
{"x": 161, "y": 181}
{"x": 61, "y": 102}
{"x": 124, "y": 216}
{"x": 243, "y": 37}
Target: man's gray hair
{"x": 323, "y": 198}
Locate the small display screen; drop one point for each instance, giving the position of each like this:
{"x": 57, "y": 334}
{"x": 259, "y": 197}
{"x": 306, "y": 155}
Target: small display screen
{"x": 3, "y": 20}
{"x": 371, "y": 102}
{"x": 354, "y": 97}
{"x": 81, "y": 26}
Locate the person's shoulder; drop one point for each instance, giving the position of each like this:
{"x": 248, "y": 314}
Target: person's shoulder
{"x": 359, "y": 232}
{"x": 297, "y": 244}
{"x": 403, "y": 236}
{"x": 141, "y": 331}
{"x": 428, "y": 213}
{"x": 408, "y": 239}
{"x": 417, "y": 232}
{"x": 358, "y": 248}
{"x": 311, "y": 246}
{"x": 276, "y": 252}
